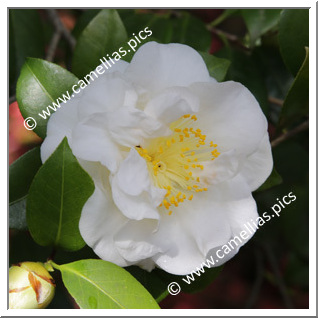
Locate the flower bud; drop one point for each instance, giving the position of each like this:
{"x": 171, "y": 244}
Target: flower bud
{"x": 30, "y": 286}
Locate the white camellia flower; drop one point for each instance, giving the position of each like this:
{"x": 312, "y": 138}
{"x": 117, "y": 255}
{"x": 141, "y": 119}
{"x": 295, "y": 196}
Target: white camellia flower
{"x": 174, "y": 156}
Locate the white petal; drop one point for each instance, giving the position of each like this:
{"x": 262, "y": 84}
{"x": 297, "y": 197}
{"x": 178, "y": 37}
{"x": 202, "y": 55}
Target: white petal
{"x": 60, "y": 124}
{"x": 100, "y": 221}
{"x": 171, "y": 104}
{"x": 130, "y": 127}
{"x": 134, "y": 241}
{"x": 222, "y": 168}
{"x": 240, "y": 214}
{"x": 158, "y": 66}
{"x": 258, "y": 166}
{"x": 199, "y": 228}
{"x": 91, "y": 141}
{"x": 133, "y": 191}
{"x": 105, "y": 94}
{"x": 230, "y": 116}
{"x": 193, "y": 228}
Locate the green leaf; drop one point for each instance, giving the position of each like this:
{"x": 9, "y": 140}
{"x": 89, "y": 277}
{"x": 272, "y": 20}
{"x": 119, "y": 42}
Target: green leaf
{"x": 26, "y": 39}
{"x": 260, "y": 21}
{"x": 293, "y": 36}
{"x": 296, "y": 103}
{"x": 273, "y": 180}
{"x": 217, "y": 66}
{"x": 245, "y": 69}
{"x": 191, "y": 283}
{"x": 167, "y": 28}
{"x": 226, "y": 13}
{"x": 105, "y": 34}
{"x": 82, "y": 22}
{"x": 39, "y": 85}
{"x": 17, "y": 215}
{"x": 157, "y": 281}
{"x": 56, "y": 198}
{"x": 156, "y": 286}
{"x": 97, "y": 284}
{"x": 21, "y": 174}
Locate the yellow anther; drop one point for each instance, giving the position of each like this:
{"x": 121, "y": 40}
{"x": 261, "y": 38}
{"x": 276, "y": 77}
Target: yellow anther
{"x": 190, "y": 173}
{"x": 168, "y": 187}
{"x": 205, "y": 189}
{"x": 181, "y": 138}
{"x": 193, "y": 165}
{"x": 160, "y": 149}
{"x": 170, "y": 212}
{"x": 168, "y": 143}
{"x": 189, "y": 187}
{"x": 195, "y": 186}
{"x": 190, "y": 197}
{"x": 194, "y": 117}
{"x": 186, "y": 167}
{"x": 177, "y": 130}
{"x": 198, "y": 179}
{"x": 192, "y": 153}
{"x": 186, "y": 116}
{"x": 173, "y": 141}
{"x": 187, "y": 178}
{"x": 188, "y": 160}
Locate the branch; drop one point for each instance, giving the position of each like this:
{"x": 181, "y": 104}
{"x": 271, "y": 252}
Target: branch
{"x": 291, "y": 133}
{"x": 59, "y": 27}
{"x": 276, "y": 101}
{"x": 53, "y": 45}
{"x": 230, "y": 37}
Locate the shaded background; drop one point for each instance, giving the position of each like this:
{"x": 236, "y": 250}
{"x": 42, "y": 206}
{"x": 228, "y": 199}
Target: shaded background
{"x": 271, "y": 271}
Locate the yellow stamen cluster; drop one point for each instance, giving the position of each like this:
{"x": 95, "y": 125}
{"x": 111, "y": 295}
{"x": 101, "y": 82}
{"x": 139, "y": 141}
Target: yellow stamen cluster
{"x": 175, "y": 161}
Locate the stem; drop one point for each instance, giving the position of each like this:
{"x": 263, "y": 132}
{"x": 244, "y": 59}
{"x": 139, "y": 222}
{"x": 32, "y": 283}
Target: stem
{"x": 53, "y": 45}
{"x": 276, "y": 101}
{"x": 291, "y": 133}
{"x": 54, "y": 265}
{"x": 59, "y": 26}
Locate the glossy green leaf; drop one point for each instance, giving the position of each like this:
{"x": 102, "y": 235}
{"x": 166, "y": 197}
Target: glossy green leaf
{"x": 260, "y": 21}
{"x": 217, "y": 66}
{"x": 40, "y": 84}
{"x": 17, "y": 215}
{"x": 273, "y": 180}
{"x": 296, "y": 104}
{"x": 244, "y": 68}
{"x": 26, "y": 39}
{"x": 167, "y": 28}
{"x": 293, "y": 36}
{"x": 155, "y": 285}
{"x": 97, "y": 284}
{"x": 104, "y": 34}
{"x": 56, "y": 198}
{"x": 21, "y": 174}
{"x": 84, "y": 19}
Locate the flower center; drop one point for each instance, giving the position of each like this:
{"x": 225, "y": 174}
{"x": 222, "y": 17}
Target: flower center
{"x": 175, "y": 162}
